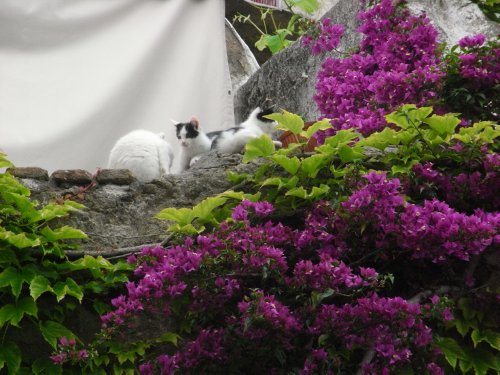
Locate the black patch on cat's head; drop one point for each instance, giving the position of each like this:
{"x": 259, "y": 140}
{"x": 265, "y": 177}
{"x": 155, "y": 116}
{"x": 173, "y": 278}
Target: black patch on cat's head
{"x": 191, "y": 129}
{"x": 265, "y": 112}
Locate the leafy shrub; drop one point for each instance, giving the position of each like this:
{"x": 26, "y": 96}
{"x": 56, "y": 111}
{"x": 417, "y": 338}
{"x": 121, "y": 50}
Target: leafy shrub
{"x": 39, "y": 285}
{"x": 372, "y": 254}
{"x": 335, "y": 289}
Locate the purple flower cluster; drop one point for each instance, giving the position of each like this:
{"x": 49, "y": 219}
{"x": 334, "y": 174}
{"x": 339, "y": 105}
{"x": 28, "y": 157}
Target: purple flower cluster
{"x": 397, "y": 63}
{"x": 324, "y": 38}
{"x": 251, "y": 289}
{"x": 68, "y": 352}
{"x": 432, "y": 230}
{"x": 472, "y": 41}
{"x": 388, "y": 325}
{"x": 476, "y": 188}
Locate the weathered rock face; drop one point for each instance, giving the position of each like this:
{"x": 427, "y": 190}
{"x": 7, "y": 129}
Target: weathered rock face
{"x": 289, "y": 77}
{"x": 119, "y": 210}
{"x": 455, "y": 19}
{"x": 241, "y": 61}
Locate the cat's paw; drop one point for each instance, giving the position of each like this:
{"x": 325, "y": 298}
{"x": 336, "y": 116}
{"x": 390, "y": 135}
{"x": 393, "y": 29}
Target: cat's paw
{"x": 194, "y": 160}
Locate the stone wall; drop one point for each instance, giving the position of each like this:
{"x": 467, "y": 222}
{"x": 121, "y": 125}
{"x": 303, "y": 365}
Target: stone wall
{"x": 119, "y": 214}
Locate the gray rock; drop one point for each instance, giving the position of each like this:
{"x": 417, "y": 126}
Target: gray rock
{"x": 119, "y": 213}
{"x": 289, "y": 77}
{"x": 455, "y": 19}
{"x": 71, "y": 177}
{"x": 242, "y": 63}
{"x": 31, "y": 172}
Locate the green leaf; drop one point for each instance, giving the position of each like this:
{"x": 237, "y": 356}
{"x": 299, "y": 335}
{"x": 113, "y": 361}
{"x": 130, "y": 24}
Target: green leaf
{"x": 482, "y": 361}
{"x": 39, "y": 285}
{"x": 63, "y": 233}
{"x": 7, "y": 256}
{"x": 398, "y": 119}
{"x": 4, "y": 163}
{"x": 348, "y": 154}
{"x": 203, "y": 210}
{"x": 451, "y": 350}
{"x": 14, "y": 313}
{"x": 342, "y": 137}
{"x": 262, "y": 146}
{"x": 319, "y": 191}
{"x": 24, "y": 204}
{"x": 381, "y": 140}
{"x": 186, "y": 229}
{"x": 29, "y": 306}
{"x": 46, "y": 367}
{"x": 443, "y": 125}
{"x": 288, "y": 121}
{"x": 299, "y": 192}
{"x": 489, "y": 336}
{"x": 317, "y": 126}
{"x": 169, "y": 337}
{"x": 19, "y": 240}
{"x": 68, "y": 287}
{"x": 291, "y": 165}
{"x": 10, "y": 355}
{"x": 317, "y": 297}
{"x": 308, "y": 6}
{"x": 52, "y": 331}
{"x": 182, "y": 216}
{"x": 14, "y": 278}
{"x": 275, "y": 42}
{"x": 313, "y": 164}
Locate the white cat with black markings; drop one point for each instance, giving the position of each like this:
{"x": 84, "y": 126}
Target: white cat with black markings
{"x": 146, "y": 154}
{"x": 193, "y": 142}
{"x": 233, "y": 140}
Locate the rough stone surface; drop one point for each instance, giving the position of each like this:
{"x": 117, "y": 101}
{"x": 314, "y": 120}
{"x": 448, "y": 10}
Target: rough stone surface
{"x": 289, "y": 77}
{"x": 455, "y": 19}
{"x": 120, "y": 210}
{"x": 242, "y": 63}
{"x": 115, "y": 176}
{"x": 71, "y": 177}
{"x": 30, "y": 172}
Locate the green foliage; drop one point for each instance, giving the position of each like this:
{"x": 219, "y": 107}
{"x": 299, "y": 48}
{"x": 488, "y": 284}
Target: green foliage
{"x": 39, "y": 285}
{"x": 475, "y": 100}
{"x": 491, "y": 8}
{"x": 293, "y": 180}
{"x": 273, "y": 36}
{"x": 209, "y": 212}
{"x": 474, "y": 344}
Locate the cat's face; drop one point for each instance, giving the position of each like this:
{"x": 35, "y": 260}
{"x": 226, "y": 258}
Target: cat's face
{"x": 187, "y": 132}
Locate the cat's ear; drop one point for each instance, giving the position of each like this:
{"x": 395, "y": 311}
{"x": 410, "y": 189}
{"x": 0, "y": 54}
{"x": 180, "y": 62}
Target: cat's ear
{"x": 194, "y": 121}
{"x": 175, "y": 122}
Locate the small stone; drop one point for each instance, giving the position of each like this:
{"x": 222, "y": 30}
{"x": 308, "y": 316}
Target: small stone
{"x": 115, "y": 177}
{"x": 34, "y": 173}
{"x": 71, "y": 177}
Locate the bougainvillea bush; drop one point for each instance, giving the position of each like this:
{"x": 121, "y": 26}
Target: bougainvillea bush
{"x": 400, "y": 61}
{"x": 377, "y": 254}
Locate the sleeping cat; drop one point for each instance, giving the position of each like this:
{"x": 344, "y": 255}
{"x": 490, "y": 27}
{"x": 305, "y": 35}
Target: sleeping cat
{"x": 193, "y": 142}
{"x": 234, "y": 139}
{"x": 146, "y": 154}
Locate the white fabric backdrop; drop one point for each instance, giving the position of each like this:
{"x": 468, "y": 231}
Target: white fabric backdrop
{"x": 75, "y": 75}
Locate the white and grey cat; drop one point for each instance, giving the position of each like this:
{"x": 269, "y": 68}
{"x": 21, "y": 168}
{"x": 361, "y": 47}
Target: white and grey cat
{"x": 146, "y": 154}
{"x": 233, "y": 140}
{"x": 194, "y": 141}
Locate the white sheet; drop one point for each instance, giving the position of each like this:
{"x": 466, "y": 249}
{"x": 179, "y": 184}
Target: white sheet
{"x": 76, "y": 75}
